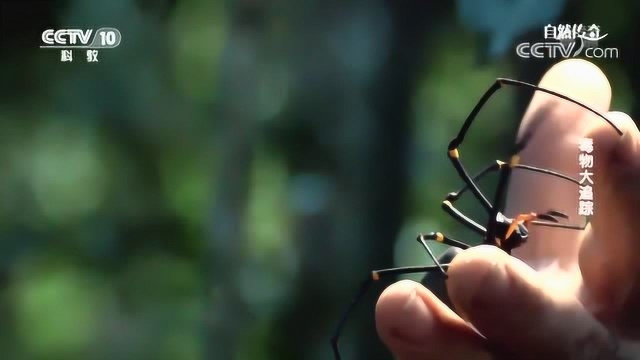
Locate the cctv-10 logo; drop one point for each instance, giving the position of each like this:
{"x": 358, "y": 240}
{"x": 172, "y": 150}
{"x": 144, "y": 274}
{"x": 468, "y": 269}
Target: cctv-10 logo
{"x": 70, "y": 39}
{"x": 104, "y": 38}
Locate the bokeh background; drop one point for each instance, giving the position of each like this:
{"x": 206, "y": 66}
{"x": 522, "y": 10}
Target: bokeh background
{"x": 218, "y": 185}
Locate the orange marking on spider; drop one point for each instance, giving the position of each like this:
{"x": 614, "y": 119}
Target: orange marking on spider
{"x": 520, "y": 219}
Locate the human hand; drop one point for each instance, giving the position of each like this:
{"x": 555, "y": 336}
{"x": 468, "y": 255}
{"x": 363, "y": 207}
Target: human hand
{"x": 583, "y": 305}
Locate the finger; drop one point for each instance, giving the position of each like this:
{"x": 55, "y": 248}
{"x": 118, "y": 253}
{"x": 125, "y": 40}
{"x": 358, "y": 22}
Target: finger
{"x": 510, "y": 304}
{"x": 610, "y": 253}
{"x": 558, "y": 123}
{"x": 414, "y": 324}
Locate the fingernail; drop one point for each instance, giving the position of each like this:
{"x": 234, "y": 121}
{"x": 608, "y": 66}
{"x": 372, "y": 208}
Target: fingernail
{"x": 414, "y": 320}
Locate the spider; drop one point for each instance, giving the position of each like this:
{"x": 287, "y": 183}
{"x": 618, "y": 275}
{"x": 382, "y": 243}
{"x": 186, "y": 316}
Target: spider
{"x": 504, "y": 232}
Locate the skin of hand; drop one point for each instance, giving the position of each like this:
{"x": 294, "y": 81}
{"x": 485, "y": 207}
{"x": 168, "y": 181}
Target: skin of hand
{"x": 586, "y": 303}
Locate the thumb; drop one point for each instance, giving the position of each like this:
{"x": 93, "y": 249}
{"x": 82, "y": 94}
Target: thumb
{"x": 519, "y": 312}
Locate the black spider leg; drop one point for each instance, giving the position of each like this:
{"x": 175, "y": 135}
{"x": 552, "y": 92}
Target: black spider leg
{"x": 562, "y": 226}
{"x": 439, "y": 237}
{"x": 454, "y": 154}
{"x": 453, "y": 196}
{"x": 518, "y": 83}
{"x": 499, "y": 202}
{"x": 374, "y": 276}
{"x": 503, "y": 183}
{"x": 557, "y": 214}
{"x": 505, "y": 173}
{"x": 448, "y": 207}
{"x": 548, "y": 217}
{"x": 554, "y": 213}
{"x": 498, "y": 165}
{"x": 378, "y": 274}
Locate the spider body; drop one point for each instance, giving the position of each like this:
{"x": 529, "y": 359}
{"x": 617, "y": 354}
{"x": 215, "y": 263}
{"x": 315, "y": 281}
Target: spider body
{"x": 517, "y": 237}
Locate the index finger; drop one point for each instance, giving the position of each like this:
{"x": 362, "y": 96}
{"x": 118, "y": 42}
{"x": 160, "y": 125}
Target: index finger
{"x": 558, "y": 124}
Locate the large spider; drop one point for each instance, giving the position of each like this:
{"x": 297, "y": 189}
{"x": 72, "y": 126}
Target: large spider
{"x": 501, "y": 231}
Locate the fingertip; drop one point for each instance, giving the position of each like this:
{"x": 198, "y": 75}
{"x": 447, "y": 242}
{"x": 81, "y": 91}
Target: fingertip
{"x": 580, "y": 79}
{"x": 402, "y": 312}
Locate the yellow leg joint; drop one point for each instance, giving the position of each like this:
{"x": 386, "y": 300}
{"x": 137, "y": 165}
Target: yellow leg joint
{"x": 375, "y": 276}
{"x": 454, "y": 154}
{"x": 514, "y": 161}
{"x": 439, "y": 237}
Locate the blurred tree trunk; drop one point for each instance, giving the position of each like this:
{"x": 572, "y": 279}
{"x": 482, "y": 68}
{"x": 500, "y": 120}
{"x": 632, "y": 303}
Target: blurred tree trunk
{"x": 629, "y": 52}
{"x": 229, "y": 317}
{"x": 368, "y": 122}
